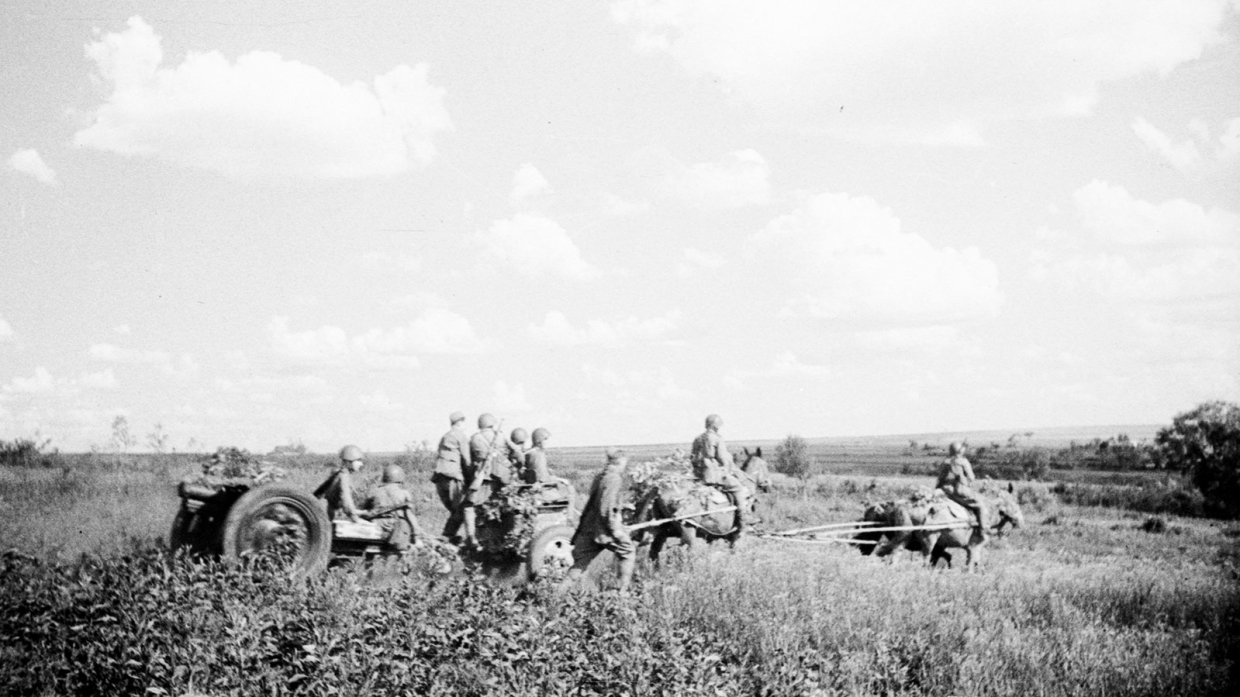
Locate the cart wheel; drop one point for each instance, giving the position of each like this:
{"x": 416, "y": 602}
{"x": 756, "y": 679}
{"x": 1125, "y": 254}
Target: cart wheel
{"x": 192, "y": 532}
{"x": 279, "y": 520}
{"x": 551, "y": 552}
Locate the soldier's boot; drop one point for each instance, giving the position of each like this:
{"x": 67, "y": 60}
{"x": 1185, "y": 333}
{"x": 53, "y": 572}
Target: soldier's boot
{"x": 471, "y": 528}
{"x": 980, "y": 512}
{"x": 627, "y": 565}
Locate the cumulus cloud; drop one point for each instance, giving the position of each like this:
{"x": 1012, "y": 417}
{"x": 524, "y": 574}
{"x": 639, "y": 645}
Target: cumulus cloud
{"x": 637, "y": 391}
{"x": 6, "y": 331}
{"x": 784, "y": 365}
{"x": 534, "y": 246}
{"x": 557, "y": 330}
{"x": 894, "y": 66}
{"x": 739, "y": 179}
{"x": 693, "y": 261}
{"x": 434, "y": 331}
{"x": 528, "y": 183}
{"x": 102, "y": 380}
{"x": 509, "y": 399}
{"x": 1183, "y": 156}
{"x": 260, "y": 116}
{"x": 42, "y": 381}
{"x": 849, "y": 260}
{"x": 29, "y": 161}
{"x": 1171, "y": 263}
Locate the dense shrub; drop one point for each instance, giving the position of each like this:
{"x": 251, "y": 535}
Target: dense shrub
{"x": 1205, "y": 444}
{"x": 793, "y": 459}
{"x": 27, "y": 452}
{"x": 1014, "y": 463}
{"x": 1170, "y": 498}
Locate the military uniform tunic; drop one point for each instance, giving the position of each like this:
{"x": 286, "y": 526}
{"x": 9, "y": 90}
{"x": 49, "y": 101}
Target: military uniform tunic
{"x": 451, "y": 466}
{"x": 602, "y": 523}
{"x": 396, "y": 524}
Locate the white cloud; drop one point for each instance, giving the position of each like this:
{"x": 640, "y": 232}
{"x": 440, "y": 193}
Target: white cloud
{"x": 557, "y": 330}
{"x": 435, "y": 330}
{"x": 528, "y": 183}
{"x": 784, "y": 365}
{"x": 42, "y": 381}
{"x": 739, "y": 179}
{"x": 6, "y": 331}
{"x": 534, "y": 246}
{"x": 111, "y": 353}
{"x": 638, "y": 391}
{"x": 400, "y": 261}
{"x": 379, "y": 401}
{"x": 1183, "y": 156}
{"x": 619, "y": 207}
{"x": 103, "y": 380}
{"x": 122, "y": 329}
{"x": 29, "y": 161}
{"x": 509, "y": 399}
{"x": 849, "y": 260}
{"x": 1229, "y": 141}
{"x": 261, "y": 116}
{"x": 693, "y": 261}
{"x": 891, "y": 70}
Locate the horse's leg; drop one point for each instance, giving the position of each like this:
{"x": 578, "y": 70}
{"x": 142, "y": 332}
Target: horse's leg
{"x": 929, "y": 542}
{"x": 656, "y": 545}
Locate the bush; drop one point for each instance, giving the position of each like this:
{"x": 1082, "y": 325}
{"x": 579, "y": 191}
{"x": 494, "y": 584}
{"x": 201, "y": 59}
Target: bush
{"x": 1028, "y": 463}
{"x": 27, "y": 452}
{"x": 1205, "y": 444}
{"x": 792, "y": 458}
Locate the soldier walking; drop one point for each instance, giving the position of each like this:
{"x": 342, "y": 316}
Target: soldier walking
{"x": 451, "y": 464}
{"x": 485, "y": 447}
{"x": 956, "y": 480}
{"x": 602, "y": 524}
{"x": 713, "y": 465}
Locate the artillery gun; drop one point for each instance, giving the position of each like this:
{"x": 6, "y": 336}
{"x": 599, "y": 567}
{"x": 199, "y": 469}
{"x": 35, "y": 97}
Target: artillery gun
{"x": 236, "y": 509}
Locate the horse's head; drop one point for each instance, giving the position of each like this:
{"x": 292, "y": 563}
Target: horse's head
{"x": 1007, "y": 508}
{"x": 755, "y": 468}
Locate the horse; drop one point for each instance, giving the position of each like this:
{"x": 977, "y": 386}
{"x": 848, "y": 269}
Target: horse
{"x": 678, "y": 495}
{"x": 903, "y": 513}
{"x": 1002, "y": 509}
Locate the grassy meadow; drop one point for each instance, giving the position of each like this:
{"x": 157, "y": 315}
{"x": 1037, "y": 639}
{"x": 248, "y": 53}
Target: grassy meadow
{"x": 1091, "y": 597}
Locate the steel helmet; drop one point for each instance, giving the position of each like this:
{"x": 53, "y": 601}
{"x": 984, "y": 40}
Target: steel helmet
{"x": 455, "y": 417}
{"x": 486, "y": 421}
{"x": 349, "y": 453}
{"x": 955, "y": 449}
{"x": 714, "y": 421}
{"x": 393, "y": 474}
{"x": 541, "y": 435}
{"x": 519, "y": 435}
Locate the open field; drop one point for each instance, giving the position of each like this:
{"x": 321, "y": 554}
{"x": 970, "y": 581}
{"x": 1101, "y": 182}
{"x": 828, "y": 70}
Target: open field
{"x": 1084, "y": 600}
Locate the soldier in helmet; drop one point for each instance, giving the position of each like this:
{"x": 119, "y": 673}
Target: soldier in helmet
{"x": 338, "y": 489}
{"x": 713, "y": 465}
{"x": 391, "y": 505}
{"x": 536, "y": 470}
{"x": 956, "y": 480}
{"x": 515, "y": 452}
{"x": 602, "y": 527}
{"x": 485, "y": 447}
{"x": 452, "y": 463}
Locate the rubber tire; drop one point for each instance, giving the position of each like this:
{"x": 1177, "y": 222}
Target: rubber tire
{"x": 550, "y": 542}
{"x": 248, "y": 509}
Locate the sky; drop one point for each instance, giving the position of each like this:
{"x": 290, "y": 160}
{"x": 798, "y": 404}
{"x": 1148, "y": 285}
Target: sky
{"x": 328, "y": 222}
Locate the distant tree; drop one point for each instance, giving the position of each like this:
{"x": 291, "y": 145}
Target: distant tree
{"x": 793, "y": 459}
{"x": 294, "y": 448}
{"x": 1204, "y": 443}
{"x": 158, "y": 439}
{"x": 122, "y": 439}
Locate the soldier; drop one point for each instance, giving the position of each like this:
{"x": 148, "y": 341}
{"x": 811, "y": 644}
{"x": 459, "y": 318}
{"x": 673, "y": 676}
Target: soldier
{"x": 485, "y": 447}
{"x": 713, "y": 465}
{"x": 956, "y": 480}
{"x": 392, "y": 506}
{"x": 602, "y": 526}
{"x": 516, "y": 454}
{"x": 451, "y": 464}
{"x": 338, "y": 489}
{"x": 536, "y": 470}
